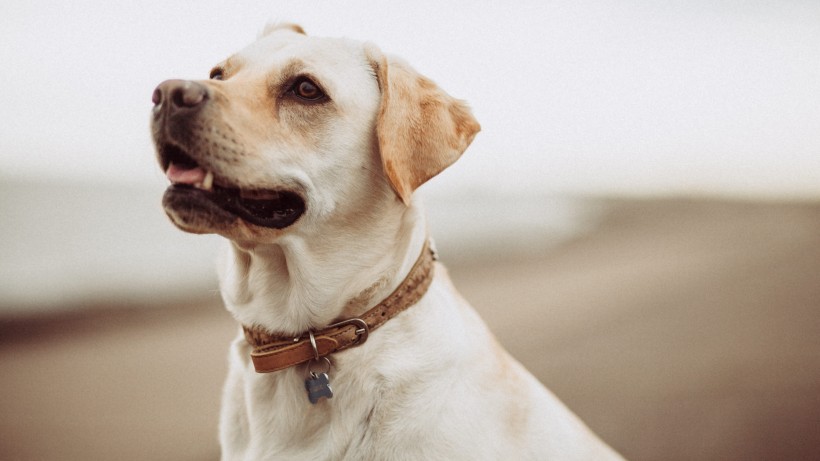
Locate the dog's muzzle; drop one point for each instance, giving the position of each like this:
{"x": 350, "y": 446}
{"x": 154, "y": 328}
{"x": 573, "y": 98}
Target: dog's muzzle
{"x": 196, "y": 193}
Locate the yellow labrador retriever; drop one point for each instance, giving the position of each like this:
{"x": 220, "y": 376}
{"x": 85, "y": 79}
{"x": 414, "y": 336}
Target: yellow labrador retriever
{"x": 304, "y": 153}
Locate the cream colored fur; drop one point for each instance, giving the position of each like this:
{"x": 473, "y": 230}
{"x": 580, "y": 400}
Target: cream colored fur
{"x": 432, "y": 383}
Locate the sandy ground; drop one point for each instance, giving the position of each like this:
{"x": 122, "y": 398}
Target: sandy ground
{"x": 678, "y": 330}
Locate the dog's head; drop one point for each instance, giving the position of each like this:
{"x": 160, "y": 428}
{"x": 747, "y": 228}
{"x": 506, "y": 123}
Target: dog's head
{"x": 297, "y": 130}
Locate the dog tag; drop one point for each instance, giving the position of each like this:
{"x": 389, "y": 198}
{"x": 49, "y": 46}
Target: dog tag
{"x": 318, "y": 386}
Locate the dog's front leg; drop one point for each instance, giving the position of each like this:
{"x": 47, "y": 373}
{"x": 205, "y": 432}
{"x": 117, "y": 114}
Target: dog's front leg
{"x": 233, "y": 420}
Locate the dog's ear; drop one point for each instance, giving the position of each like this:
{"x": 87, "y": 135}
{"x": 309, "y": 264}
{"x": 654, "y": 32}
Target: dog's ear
{"x": 421, "y": 129}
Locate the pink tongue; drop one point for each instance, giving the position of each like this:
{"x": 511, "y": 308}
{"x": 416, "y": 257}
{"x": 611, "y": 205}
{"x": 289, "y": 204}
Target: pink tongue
{"x": 179, "y": 175}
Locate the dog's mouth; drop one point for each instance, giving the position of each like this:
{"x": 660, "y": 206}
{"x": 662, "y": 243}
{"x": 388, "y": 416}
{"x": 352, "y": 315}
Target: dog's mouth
{"x": 193, "y": 186}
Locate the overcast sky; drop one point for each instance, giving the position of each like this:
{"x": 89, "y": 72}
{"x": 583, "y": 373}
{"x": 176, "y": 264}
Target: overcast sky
{"x": 621, "y": 96}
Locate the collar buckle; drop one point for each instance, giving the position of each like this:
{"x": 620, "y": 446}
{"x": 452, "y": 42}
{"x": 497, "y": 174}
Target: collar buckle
{"x": 362, "y": 330}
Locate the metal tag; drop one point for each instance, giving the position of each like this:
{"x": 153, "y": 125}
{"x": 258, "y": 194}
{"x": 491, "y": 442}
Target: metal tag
{"x": 318, "y": 386}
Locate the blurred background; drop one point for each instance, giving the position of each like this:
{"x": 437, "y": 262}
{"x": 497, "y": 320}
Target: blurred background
{"x": 638, "y": 221}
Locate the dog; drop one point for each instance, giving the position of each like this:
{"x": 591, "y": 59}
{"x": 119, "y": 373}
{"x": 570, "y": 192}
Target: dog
{"x": 304, "y": 153}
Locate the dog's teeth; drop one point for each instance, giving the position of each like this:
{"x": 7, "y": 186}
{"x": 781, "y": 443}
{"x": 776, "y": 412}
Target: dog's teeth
{"x": 208, "y": 182}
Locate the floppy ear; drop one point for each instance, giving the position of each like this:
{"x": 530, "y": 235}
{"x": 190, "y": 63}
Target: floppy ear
{"x": 421, "y": 130}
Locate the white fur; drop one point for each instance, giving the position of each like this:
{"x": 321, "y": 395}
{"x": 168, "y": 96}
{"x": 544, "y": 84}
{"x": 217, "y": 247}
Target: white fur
{"x": 432, "y": 383}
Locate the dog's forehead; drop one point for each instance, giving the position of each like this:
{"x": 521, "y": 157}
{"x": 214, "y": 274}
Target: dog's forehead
{"x": 272, "y": 51}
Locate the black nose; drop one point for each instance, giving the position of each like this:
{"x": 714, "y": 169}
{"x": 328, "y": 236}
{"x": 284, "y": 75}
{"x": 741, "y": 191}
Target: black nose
{"x": 176, "y": 95}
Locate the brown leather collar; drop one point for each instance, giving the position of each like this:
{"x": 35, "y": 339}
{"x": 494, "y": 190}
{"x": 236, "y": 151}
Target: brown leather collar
{"x": 274, "y": 353}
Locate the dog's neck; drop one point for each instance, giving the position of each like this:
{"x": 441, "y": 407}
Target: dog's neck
{"x": 304, "y": 282}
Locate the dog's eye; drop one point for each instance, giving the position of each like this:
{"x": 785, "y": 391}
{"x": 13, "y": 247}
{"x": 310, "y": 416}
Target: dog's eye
{"x": 216, "y": 73}
{"x": 307, "y": 90}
